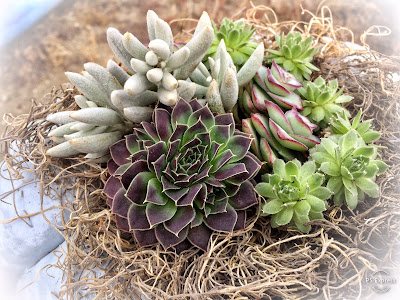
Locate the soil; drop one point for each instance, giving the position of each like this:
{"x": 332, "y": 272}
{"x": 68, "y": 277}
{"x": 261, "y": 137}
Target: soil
{"x": 75, "y": 33}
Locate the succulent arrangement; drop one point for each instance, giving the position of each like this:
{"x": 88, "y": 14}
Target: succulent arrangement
{"x": 177, "y": 180}
{"x": 198, "y": 135}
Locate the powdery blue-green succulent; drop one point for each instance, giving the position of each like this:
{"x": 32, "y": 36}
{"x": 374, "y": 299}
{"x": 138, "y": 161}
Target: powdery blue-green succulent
{"x": 295, "y": 55}
{"x": 294, "y": 194}
{"x": 280, "y": 134}
{"x": 182, "y": 177}
{"x": 350, "y": 166}
{"x": 237, "y": 38}
{"x": 340, "y": 125}
{"x": 158, "y": 67}
{"x": 321, "y": 100}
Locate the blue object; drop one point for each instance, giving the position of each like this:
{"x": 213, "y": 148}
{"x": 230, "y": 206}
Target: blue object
{"x": 19, "y": 15}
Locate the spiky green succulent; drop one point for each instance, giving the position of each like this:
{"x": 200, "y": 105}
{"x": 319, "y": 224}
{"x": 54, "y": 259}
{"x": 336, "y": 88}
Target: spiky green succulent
{"x": 237, "y": 39}
{"x": 177, "y": 180}
{"x": 158, "y": 67}
{"x": 321, "y": 100}
{"x": 100, "y": 121}
{"x": 295, "y": 55}
{"x": 294, "y": 194}
{"x": 350, "y": 166}
{"x": 274, "y": 84}
{"x": 280, "y": 134}
{"x": 340, "y": 125}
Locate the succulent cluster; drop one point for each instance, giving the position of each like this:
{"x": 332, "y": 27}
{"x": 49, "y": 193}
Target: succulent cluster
{"x": 178, "y": 179}
{"x": 179, "y": 170}
{"x": 237, "y": 38}
{"x": 351, "y": 167}
{"x": 279, "y": 133}
{"x": 322, "y": 100}
{"x": 294, "y": 55}
{"x": 294, "y": 194}
{"x": 158, "y": 67}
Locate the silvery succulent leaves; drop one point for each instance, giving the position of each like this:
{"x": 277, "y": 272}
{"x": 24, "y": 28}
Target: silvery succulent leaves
{"x": 280, "y": 134}
{"x": 158, "y": 67}
{"x": 218, "y": 85}
{"x": 340, "y": 125}
{"x": 99, "y": 122}
{"x": 182, "y": 177}
{"x": 350, "y": 167}
{"x": 321, "y": 100}
{"x": 237, "y": 38}
{"x": 294, "y": 194}
{"x": 295, "y": 55}
{"x": 270, "y": 84}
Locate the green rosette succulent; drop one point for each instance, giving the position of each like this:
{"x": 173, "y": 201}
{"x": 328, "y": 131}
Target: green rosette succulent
{"x": 340, "y": 125}
{"x": 321, "y": 100}
{"x": 237, "y": 40}
{"x": 280, "y": 134}
{"x": 294, "y": 194}
{"x": 274, "y": 84}
{"x": 182, "y": 177}
{"x": 295, "y": 55}
{"x": 350, "y": 167}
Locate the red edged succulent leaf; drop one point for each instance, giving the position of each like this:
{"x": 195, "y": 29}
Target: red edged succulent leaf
{"x": 187, "y": 173}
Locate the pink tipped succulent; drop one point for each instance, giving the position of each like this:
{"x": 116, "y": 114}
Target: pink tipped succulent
{"x": 280, "y": 133}
{"x": 274, "y": 84}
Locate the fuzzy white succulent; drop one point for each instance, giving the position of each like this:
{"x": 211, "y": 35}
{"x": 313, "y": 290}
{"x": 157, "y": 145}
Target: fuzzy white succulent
{"x": 158, "y": 67}
{"x": 100, "y": 121}
{"x": 220, "y": 85}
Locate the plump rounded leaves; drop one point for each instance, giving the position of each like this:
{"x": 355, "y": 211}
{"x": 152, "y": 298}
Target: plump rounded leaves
{"x": 294, "y": 194}
{"x": 294, "y": 55}
{"x": 178, "y": 179}
{"x": 237, "y": 40}
{"x": 322, "y": 100}
{"x": 350, "y": 166}
{"x": 282, "y": 134}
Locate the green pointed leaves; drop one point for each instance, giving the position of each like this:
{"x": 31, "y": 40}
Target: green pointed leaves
{"x": 348, "y": 164}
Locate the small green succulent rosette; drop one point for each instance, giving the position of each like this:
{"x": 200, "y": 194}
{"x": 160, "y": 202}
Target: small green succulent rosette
{"x": 351, "y": 167}
{"x": 340, "y": 125}
{"x": 294, "y": 194}
{"x": 237, "y": 39}
{"x": 295, "y": 55}
{"x": 321, "y": 100}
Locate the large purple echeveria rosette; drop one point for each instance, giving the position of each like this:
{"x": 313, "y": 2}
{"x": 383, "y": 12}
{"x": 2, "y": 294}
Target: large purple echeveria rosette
{"x": 178, "y": 179}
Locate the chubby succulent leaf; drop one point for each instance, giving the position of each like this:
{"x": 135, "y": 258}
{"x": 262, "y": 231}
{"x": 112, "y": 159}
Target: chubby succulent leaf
{"x": 186, "y": 174}
{"x": 293, "y": 193}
